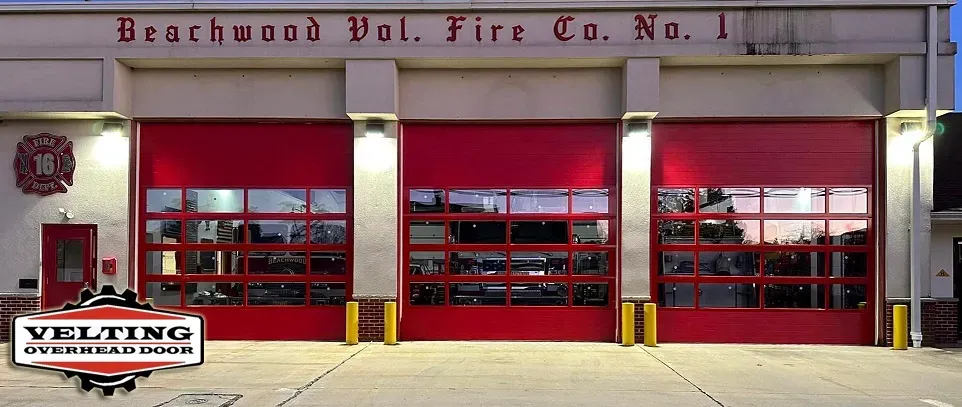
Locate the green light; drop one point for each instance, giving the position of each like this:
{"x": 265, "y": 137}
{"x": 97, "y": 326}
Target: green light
{"x": 939, "y": 128}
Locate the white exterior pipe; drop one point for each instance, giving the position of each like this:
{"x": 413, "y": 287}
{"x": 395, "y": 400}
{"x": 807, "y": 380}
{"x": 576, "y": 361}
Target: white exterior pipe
{"x": 931, "y": 101}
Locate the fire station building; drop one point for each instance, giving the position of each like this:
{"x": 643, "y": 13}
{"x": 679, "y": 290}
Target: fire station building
{"x": 503, "y": 170}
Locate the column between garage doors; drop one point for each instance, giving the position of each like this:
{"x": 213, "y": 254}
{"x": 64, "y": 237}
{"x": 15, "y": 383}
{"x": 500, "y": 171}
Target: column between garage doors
{"x": 371, "y": 101}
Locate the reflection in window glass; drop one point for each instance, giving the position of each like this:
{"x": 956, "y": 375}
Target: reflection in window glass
{"x": 277, "y": 201}
{"x": 276, "y": 294}
{"x": 70, "y": 260}
{"x": 590, "y": 294}
{"x": 727, "y": 295}
{"x": 589, "y": 201}
{"x": 215, "y": 200}
{"x": 162, "y": 263}
{"x": 729, "y": 231}
{"x": 214, "y": 294}
{"x": 287, "y": 263}
{"x": 676, "y": 200}
{"x": 794, "y": 264}
{"x": 328, "y": 293}
{"x": 848, "y": 264}
{"x": 215, "y": 231}
{"x": 590, "y": 232}
{"x": 277, "y": 231}
{"x": 848, "y": 200}
{"x": 328, "y": 201}
{"x": 795, "y": 200}
{"x": 591, "y": 263}
{"x": 539, "y": 232}
{"x": 676, "y": 295}
{"x": 163, "y": 231}
{"x": 533, "y": 294}
{"x": 728, "y": 263}
{"x": 215, "y": 262}
{"x": 539, "y": 201}
{"x": 682, "y": 263}
{"x": 329, "y": 232}
{"x": 539, "y": 263}
{"x": 328, "y": 263}
{"x": 729, "y": 200}
{"x": 426, "y": 263}
{"x": 478, "y": 263}
{"x": 848, "y": 232}
{"x": 478, "y": 294}
{"x": 478, "y": 232}
{"x": 426, "y": 293}
{"x": 847, "y": 296}
{"x": 478, "y": 201}
{"x": 426, "y": 232}
{"x": 164, "y": 200}
{"x": 795, "y": 296}
{"x": 426, "y": 201}
{"x": 676, "y": 232}
{"x": 794, "y": 232}
{"x": 164, "y": 294}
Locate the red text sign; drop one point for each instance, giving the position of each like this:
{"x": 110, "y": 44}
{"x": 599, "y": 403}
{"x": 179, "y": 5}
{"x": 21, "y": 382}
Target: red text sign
{"x": 455, "y": 28}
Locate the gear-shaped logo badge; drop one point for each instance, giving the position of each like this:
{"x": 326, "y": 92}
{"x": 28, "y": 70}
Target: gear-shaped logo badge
{"x": 107, "y": 340}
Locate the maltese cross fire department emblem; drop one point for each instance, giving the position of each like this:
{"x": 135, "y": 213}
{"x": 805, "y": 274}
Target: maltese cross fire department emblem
{"x": 44, "y": 164}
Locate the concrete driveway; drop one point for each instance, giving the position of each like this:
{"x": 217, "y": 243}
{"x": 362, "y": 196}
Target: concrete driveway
{"x": 301, "y": 374}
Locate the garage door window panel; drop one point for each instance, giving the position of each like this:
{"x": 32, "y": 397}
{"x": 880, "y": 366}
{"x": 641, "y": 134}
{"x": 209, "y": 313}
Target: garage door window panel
{"x": 759, "y": 241}
{"x": 258, "y": 239}
{"x": 514, "y": 248}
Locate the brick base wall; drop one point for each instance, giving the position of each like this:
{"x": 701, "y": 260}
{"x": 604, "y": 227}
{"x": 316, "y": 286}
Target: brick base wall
{"x": 939, "y": 322}
{"x": 13, "y": 305}
{"x": 639, "y": 318}
{"x": 370, "y": 315}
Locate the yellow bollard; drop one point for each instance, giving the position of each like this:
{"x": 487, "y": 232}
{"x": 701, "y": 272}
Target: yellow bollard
{"x": 651, "y": 325}
{"x": 390, "y": 323}
{"x": 627, "y": 324}
{"x": 351, "y": 323}
{"x": 900, "y": 337}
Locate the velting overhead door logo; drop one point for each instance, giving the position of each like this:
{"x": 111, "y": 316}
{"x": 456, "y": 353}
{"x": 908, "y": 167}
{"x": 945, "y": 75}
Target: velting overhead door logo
{"x": 108, "y": 340}
{"x": 44, "y": 164}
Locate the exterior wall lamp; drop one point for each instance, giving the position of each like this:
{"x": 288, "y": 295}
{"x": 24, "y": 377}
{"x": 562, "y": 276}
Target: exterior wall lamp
{"x": 374, "y": 130}
{"x": 640, "y": 128}
{"x": 913, "y": 129}
{"x": 112, "y": 128}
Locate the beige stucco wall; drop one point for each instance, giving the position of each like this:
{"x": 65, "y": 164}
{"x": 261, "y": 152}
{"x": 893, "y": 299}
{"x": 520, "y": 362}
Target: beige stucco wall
{"x": 510, "y": 93}
{"x": 898, "y": 215}
{"x": 220, "y": 93}
{"x": 943, "y": 258}
{"x": 779, "y": 91}
{"x": 375, "y": 212}
{"x": 98, "y": 196}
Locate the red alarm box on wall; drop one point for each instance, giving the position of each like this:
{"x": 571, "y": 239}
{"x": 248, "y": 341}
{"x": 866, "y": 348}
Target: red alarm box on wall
{"x": 109, "y": 265}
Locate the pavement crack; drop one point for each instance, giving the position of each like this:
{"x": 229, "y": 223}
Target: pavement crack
{"x": 311, "y": 383}
{"x": 683, "y": 377}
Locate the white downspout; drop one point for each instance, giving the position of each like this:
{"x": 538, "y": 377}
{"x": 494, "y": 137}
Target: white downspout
{"x": 931, "y": 100}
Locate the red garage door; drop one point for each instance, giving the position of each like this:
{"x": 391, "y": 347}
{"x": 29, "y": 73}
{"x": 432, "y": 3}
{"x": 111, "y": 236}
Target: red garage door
{"x": 248, "y": 225}
{"x": 763, "y": 232}
{"x": 509, "y": 231}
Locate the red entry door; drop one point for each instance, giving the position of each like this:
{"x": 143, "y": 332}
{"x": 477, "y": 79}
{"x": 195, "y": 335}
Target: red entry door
{"x": 68, "y": 263}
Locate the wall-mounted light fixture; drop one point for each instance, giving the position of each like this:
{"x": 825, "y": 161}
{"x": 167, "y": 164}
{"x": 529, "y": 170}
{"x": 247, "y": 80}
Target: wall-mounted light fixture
{"x": 374, "y": 130}
{"x": 112, "y": 128}
{"x": 639, "y": 128}
{"x": 914, "y": 129}
{"x": 66, "y": 214}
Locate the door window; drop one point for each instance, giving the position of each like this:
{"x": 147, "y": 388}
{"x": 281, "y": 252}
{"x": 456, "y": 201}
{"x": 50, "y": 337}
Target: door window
{"x": 70, "y": 260}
